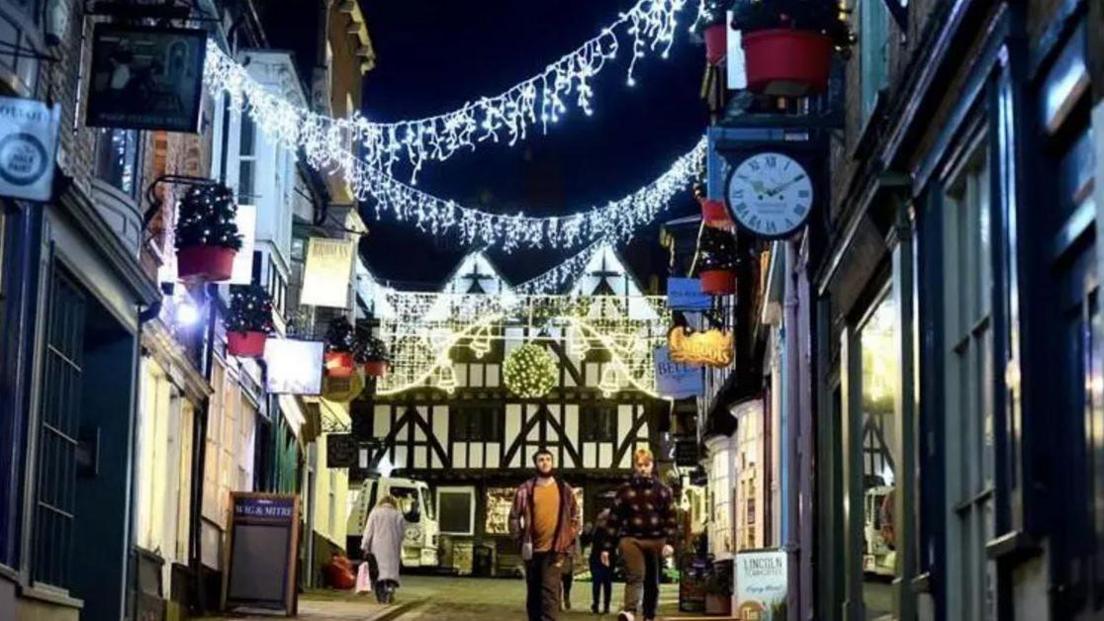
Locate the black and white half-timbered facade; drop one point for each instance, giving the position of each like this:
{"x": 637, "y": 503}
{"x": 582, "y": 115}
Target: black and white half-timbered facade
{"x": 453, "y": 423}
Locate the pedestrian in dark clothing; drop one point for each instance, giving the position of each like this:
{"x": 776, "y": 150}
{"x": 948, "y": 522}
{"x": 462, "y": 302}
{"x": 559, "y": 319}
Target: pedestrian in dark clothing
{"x": 545, "y": 520}
{"x": 601, "y": 575}
{"x": 642, "y": 525}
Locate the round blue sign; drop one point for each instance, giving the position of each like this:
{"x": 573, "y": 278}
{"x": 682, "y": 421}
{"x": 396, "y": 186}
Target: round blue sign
{"x": 22, "y": 159}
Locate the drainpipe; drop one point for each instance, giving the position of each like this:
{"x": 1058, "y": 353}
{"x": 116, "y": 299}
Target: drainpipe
{"x": 791, "y": 413}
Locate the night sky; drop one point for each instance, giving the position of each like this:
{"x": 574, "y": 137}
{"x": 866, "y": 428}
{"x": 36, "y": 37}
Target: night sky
{"x": 433, "y": 55}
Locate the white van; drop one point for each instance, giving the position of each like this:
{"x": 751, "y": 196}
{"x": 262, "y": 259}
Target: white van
{"x": 415, "y": 503}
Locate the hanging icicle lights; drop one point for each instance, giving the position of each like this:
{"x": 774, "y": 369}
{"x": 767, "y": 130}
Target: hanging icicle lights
{"x": 543, "y": 99}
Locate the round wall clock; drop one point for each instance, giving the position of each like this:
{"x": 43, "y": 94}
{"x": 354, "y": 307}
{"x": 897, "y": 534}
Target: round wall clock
{"x": 770, "y": 194}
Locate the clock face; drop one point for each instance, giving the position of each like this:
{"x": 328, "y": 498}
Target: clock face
{"x": 770, "y": 194}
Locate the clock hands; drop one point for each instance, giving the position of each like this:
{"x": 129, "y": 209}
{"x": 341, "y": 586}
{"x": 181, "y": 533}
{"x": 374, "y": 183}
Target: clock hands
{"x": 781, "y": 188}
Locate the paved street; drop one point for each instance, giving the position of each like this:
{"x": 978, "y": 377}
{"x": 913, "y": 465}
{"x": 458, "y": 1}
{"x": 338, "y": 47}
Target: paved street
{"x": 451, "y": 599}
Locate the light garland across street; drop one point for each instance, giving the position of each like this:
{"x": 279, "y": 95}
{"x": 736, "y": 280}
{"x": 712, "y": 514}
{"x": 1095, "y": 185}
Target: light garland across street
{"x": 327, "y": 147}
{"x": 553, "y": 279}
{"x": 647, "y": 27}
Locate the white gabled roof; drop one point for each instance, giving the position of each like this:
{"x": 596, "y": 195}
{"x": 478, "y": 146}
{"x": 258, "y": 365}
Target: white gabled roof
{"x": 607, "y": 267}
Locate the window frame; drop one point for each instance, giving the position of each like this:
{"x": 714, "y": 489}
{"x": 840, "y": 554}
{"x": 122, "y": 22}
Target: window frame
{"x": 470, "y": 490}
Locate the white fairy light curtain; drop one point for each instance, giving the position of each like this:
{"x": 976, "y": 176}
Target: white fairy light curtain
{"x": 540, "y": 100}
{"x": 329, "y": 145}
{"x": 421, "y": 330}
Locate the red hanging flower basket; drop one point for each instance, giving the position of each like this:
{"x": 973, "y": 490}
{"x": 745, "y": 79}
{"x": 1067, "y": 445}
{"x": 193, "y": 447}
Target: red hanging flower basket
{"x": 339, "y": 364}
{"x": 376, "y": 368}
{"x": 246, "y": 344}
{"x": 786, "y": 62}
{"x": 716, "y": 43}
{"x": 718, "y": 282}
{"x": 210, "y": 263}
{"x": 714, "y": 212}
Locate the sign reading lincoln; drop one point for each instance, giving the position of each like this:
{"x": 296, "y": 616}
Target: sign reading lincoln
{"x": 28, "y": 141}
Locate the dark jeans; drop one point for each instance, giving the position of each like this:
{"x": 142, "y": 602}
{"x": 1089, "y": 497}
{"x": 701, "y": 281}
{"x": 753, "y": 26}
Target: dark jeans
{"x": 601, "y": 583}
{"x": 542, "y": 587}
{"x": 642, "y": 559}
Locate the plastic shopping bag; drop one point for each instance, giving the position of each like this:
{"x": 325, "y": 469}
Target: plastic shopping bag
{"x": 364, "y": 578}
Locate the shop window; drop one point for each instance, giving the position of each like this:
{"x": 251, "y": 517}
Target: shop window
{"x": 597, "y": 424}
{"x": 117, "y": 159}
{"x": 457, "y": 509}
{"x": 881, "y": 372}
{"x": 55, "y": 493}
{"x": 20, "y": 28}
{"x": 969, "y": 377}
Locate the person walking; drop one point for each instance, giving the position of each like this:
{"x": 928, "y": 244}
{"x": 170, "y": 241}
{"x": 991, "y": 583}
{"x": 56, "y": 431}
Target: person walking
{"x": 641, "y": 525}
{"x": 601, "y": 575}
{"x": 568, "y": 573}
{"x": 545, "y": 519}
{"x": 383, "y": 537}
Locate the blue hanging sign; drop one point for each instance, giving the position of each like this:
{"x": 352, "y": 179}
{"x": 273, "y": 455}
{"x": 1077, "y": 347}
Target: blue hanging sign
{"x": 675, "y": 379}
{"x": 685, "y": 294}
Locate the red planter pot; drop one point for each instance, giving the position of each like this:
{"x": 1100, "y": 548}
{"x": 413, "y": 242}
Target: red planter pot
{"x": 716, "y": 43}
{"x": 787, "y": 63}
{"x": 718, "y": 282}
{"x": 210, "y": 263}
{"x": 376, "y": 368}
{"x": 246, "y": 344}
{"x": 339, "y": 364}
{"x": 714, "y": 212}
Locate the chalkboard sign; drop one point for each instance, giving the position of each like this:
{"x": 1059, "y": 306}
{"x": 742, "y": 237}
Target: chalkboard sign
{"x": 342, "y": 450}
{"x": 261, "y": 553}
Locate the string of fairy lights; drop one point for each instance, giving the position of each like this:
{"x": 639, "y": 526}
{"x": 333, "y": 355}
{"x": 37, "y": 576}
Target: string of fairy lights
{"x": 329, "y": 145}
{"x": 542, "y": 99}
{"x": 422, "y": 341}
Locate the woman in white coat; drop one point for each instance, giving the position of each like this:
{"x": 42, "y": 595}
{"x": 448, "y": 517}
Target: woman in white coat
{"x": 383, "y": 537}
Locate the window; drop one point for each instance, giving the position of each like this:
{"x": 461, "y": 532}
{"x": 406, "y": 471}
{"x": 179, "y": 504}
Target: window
{"x": 277, "y": 287}
{"x": 19, "y": 29}
{"x": 477, "y": 424}
{"x": 457, "y": 507}
{"x": 968, "y": 369}
{"x": 55, "y": 500}
{"x": 598, "y": 424}
{"x": 873, "y": 51}
{"x": 117, "y": 159}
{"x": 247, "y": 161}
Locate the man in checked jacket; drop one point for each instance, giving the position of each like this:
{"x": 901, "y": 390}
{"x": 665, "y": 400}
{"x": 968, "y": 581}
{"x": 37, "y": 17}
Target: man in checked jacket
{"x": 642, "y": 524}
{"x": 545, "y": 519}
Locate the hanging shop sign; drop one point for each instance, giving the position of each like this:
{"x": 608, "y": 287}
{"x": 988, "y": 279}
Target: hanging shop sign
{"x": 146, "y": 78}
{"x": 329, "y": 270}
{"x": 342, "y": 389}
{"x": 760, "y": 584}
{"x": 342, "y": 450}
{"x": 676, "y": 380}
{"x": 685, "y": 294}
{"x": 262, "y": 553}
{"x": 711, "y": 348}
{"x": 686, "y": 451}
{"x": 28, "y": 144}
{"x": 294, "y": 366}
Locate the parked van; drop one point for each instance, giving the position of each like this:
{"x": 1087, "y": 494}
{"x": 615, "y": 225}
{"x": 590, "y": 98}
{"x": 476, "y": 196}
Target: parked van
{"x": 415, "y": 503}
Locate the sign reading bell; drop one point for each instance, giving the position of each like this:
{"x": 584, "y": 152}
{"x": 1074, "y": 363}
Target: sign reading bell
{"x": 28, "y": 144}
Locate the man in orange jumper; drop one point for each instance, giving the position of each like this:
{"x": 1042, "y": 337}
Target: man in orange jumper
{"x": 545, "y": 519}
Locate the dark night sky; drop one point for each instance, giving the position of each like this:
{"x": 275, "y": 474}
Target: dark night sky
{"x": 433, "y": 55}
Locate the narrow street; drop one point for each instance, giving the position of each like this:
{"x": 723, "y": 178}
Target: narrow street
{"x": 451, "y": 599}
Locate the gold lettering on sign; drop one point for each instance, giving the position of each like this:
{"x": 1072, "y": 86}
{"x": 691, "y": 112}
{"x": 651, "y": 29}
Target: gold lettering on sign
{"x": 712, "y": 347}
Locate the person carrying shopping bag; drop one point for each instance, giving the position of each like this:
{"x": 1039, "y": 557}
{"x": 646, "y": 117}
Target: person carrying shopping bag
{"x": 383, "y": 537}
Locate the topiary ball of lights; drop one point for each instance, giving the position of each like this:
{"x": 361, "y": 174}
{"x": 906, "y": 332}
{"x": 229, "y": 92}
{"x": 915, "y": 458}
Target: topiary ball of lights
{"x": 530, "y": 371}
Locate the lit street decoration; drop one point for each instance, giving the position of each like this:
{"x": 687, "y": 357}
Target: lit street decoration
{"x": 542, "y": 99}
{"x": 530, "y": 371}
{"x": 325, "y": 143}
